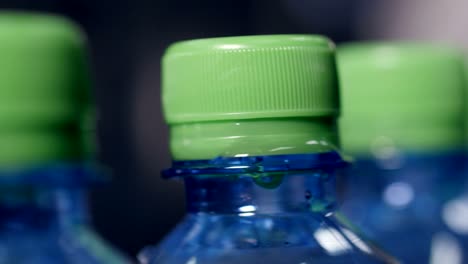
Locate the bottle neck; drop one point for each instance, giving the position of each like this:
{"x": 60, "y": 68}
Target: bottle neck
{"x": 263, "y": 185}
{"x": 312, "y": 191}
{"x": 39, "y": 208}
{"x": 28, "y": 205}
{"x": 439, "y": 176}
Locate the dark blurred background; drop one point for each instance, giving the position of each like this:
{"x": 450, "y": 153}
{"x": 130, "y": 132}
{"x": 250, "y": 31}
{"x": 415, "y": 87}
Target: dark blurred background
{"x": 127, "y": 39}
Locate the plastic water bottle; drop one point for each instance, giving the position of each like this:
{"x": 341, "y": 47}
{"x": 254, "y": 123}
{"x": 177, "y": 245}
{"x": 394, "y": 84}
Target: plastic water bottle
{"x": 43, "y": 174}
{"x": 402, "y": 121}
{"x": 254, "y": 138}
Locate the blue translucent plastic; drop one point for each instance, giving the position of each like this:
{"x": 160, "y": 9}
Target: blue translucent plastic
{"x": 413, "y": 204}
{"x": 43, "y": 218}
{"x": 271, "y": 209}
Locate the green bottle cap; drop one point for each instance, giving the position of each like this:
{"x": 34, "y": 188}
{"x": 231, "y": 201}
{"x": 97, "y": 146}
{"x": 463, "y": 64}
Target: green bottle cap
{"x": 222, "y": 81}
{"x": 466, "y": 100}
{"x": 400, "y": 96}
{"x": 44, "y": 84}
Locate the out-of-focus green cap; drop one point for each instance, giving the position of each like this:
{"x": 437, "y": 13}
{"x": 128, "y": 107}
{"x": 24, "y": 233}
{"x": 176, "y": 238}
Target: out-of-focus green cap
{"x": 466, "y": 100}
{"x": 44, "y": 89}
{"x": 400, "y": 95}
{"x": 218, "y": 80}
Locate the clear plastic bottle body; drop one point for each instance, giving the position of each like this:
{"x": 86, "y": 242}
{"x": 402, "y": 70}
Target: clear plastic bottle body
{"x": 416, "y": 206}
{"x": 286, "y": 217}
{"x": 43, "y": 219}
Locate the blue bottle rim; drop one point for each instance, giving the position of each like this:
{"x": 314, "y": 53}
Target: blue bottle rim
{"x": 255, "y": 164}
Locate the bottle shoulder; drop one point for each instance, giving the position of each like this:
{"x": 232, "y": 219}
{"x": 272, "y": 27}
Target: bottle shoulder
{"x": 288, "y": 238}
{"x": 77, "y": 244}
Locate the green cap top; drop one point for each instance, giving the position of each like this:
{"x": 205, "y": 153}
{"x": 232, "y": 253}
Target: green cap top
{"x": 249, "y": 77}
{"x": 44, "y": 84}
{"x": 246, "y": 78}
{"x": 400, "y": 95}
